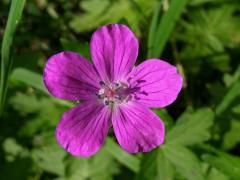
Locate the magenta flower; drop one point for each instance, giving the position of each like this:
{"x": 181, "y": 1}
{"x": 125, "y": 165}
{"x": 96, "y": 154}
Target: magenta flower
{"x": 113, "y": 92}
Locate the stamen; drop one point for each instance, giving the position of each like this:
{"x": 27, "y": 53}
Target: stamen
{"x": 102, "y": 83}
{"x": 98, "y": 96}
{"x": 114, "y": 93}
{"x": 117, "y": 85}
{"x": 106, "y": 101}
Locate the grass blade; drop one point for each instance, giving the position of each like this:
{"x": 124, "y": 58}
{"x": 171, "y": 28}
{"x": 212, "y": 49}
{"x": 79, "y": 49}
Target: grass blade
{"x": 153, "y": 29}
{"x": 230, "y": 96}
{"x": 14, "y": 17}
{"x": 165, "y": 27}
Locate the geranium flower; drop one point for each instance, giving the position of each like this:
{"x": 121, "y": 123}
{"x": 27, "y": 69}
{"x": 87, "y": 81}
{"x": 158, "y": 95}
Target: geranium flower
{"x": 113, "y": 92}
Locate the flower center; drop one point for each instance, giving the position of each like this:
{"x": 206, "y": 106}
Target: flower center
{"x": 114, "y": 93}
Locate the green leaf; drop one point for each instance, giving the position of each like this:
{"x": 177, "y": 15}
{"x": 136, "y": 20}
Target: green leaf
{"x": 165, "y": 117}
{"x": 82, "y": 48}
{"x": 153, "y": 28}
{"x": 231, "y": 79}
{"x": 230, "y": 96}
{"x": 108, "y": 168}
{"x": 216, "y": 174}
{"x": 191, "y": 128}
{"x": 77, "y": 168}
{"x": 49, "y": 156}
{"x": 226, "y": 163}
{"x": 28, "y": 77}
{"x": 155, "y": 166}
{"x": 35, "y": 80}
{"x": 123, "y": 157}
{"x": 213, "y": 29}
{"x": 13, "y": 150}
{"x": 233, "y": 82}
{"x": 99, "y": 12}
{"x": 26, "y": 103}
{"x": 6, "y": 61}
{"x": 100, "y": 167}
{"x": 236, "y": 109}
{"x": 165, "y": 27}
{"x": 184, "y": 160}
{"x": 47, "y": 113}
{"x": 231, "y": 138}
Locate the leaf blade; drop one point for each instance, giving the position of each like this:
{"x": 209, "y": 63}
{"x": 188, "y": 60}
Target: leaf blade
{"x": 191, "y": 128}
{"x": 166, "y": 26}
{"x": 126, "y": 159}
{"x": 14, "y": 17}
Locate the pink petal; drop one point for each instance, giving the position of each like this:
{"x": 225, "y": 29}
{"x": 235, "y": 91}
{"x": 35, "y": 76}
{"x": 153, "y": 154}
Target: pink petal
{"x": 68, "y": 75}
{"x": 114, "y": 50}
{"x": 82, "y": 129}
{"x": 157, "y": 82}
{"x": 137, "y": 128}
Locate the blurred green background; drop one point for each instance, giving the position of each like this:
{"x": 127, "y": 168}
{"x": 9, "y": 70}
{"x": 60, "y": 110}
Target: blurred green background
{"x": 201, "y": 37}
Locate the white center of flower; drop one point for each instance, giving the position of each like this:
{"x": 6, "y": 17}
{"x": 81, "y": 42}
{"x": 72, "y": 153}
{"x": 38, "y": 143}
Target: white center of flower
{"x": 113, "y": 93}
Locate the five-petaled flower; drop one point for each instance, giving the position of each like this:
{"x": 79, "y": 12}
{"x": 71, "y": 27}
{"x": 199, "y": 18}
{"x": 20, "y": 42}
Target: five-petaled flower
{"x": 113, "y": 92}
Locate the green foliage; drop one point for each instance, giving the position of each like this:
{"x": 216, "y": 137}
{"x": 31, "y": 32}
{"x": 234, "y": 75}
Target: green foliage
{"x": 48, "y": 156}
{"x": 228, "y": 164}
{"x": 201, "y": 37}
{"x": 191, "y": 168}
{"x": 160, "y": 31}
{"x": 191, "y": 128}
{"x": 48, "y": 113}
{"x": 126, "y": 159}
{"x": 99, "y": 12}
{"x": 13, "y": 150}
{"x": 28, "y": 77}
{"x": 215, "y": 174}
{"x": 231, "y": 95}
{"x": 81, "y": 48}
{"x": 232, "y": 138}
{"x": 155, "y": 165}
{"x": 92, "y": 168}
{"x": 6, "y": 61}
{"x": 214, "y": 29}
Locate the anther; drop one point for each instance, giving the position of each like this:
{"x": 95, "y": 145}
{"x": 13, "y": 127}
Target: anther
{"x": 117, "y": 85}
{"x": 102, "y": 84}
{"x": 106, "y": 101}
{"x": 99, "y": 96}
